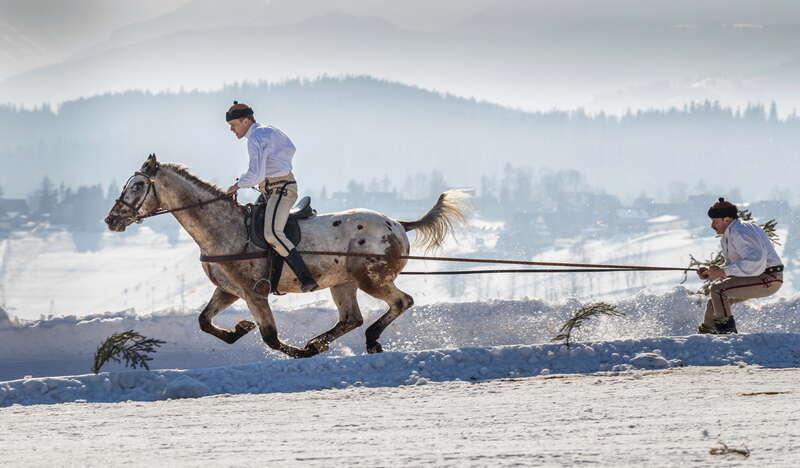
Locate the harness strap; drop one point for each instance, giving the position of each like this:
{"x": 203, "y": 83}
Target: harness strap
{"x": 235, "y": 257}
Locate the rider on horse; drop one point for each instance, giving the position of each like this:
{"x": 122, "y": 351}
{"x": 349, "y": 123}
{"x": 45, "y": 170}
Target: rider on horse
{"x": 270, "y": 168}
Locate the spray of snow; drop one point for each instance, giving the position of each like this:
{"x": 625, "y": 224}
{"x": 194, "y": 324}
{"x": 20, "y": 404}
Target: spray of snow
{"x": 66, "y": 345}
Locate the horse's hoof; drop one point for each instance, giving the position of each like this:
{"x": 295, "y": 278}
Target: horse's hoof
{"x": 318, "y": 346}
{"x": 375, "y": 347}
{"x": 245, "y": 326}
{"x": 304, "y": 353}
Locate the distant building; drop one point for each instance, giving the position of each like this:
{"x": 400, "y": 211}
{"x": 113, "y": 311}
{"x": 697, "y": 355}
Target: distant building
{"x": 666, "y": 223}
{"x": 13, "y": 214}
{"x": 770, "y": 209}
{"x": 631, "y": 219}
{"x": 13, "y": 207}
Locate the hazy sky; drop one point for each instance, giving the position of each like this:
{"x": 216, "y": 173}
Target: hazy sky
{"x": 531, "y": 54}
{"x": 613, "y": 56}
{"x": 39, "y": 32}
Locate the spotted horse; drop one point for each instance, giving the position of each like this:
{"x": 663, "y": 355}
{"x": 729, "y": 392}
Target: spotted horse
{"x": 217, "y": 223}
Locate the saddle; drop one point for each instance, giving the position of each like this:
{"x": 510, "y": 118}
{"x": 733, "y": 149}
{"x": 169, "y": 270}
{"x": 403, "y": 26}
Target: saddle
{"x": 255, "y": 214}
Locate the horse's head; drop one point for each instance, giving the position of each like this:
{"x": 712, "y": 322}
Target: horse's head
{"x": 138, "y": 198}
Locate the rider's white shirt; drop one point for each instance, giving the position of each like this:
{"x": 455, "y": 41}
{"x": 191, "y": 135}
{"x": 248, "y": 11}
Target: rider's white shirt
{"x": 747, "y": 250}
{"x": 271, "y": 153}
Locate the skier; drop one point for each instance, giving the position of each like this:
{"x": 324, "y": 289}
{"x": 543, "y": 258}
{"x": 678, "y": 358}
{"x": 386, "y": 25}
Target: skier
{"x": 752, "y": 268}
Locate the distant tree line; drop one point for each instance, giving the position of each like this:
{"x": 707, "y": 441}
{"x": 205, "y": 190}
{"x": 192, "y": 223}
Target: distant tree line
{"x": 81, "y": 208}
{"x": 376, "y": 127}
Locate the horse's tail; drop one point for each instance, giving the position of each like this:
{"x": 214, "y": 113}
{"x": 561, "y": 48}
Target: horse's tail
{"x": 451, "y": 208}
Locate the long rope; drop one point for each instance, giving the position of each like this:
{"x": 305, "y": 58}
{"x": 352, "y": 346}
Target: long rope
{"x": 524, "y": 270}
{"x": 591, "y": 266}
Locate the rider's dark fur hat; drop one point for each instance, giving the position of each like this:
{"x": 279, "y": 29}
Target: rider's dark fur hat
{"x": 237, "y": 111}
{"x": 723, "y": 209}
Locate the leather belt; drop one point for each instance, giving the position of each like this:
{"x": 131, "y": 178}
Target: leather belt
{"x": 279, "y": 182}
{"x": 774, "y": 269}
{"x": 273, "y": 187}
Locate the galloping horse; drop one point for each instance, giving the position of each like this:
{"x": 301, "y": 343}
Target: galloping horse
{"x": 217, "y": 224}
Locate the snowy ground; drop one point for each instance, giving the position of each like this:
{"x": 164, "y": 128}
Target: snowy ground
{"x": 637, "y": 418}
{"x": 391, "y": 369}
{"x": 465, "y": 381}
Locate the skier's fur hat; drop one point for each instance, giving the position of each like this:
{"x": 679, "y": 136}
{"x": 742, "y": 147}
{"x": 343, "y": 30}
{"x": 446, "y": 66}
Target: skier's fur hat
{"x": 723, "y": 209}
{"x": 237, "y": 111}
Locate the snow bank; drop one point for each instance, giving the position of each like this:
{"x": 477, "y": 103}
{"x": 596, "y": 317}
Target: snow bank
{"x": 412, "y": 368}
{"x": 65, "y": 346}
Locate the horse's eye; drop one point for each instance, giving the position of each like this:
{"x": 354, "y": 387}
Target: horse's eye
{"x": 136, "y": 187}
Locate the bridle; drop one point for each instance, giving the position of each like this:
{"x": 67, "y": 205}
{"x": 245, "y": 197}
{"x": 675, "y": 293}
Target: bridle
{"x": 138, "y": 218}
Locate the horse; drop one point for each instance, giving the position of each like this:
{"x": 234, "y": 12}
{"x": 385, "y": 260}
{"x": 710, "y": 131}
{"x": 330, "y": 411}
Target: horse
{"x": 216, "y": 222}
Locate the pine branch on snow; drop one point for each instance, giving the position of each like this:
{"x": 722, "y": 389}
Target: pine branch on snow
{"x": 583, "y": 314}
{"x": 127, "y": 346}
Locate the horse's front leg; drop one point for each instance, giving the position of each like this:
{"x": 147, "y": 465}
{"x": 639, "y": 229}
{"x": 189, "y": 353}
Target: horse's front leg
{"x": 259, "y": 307}
{"x": 219, "y": 301}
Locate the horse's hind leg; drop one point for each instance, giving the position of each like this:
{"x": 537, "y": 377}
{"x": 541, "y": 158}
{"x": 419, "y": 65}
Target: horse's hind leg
{"x": 398, "y": 302}
{"x": 344, "y": 295}
{"x": 219, "y": 301}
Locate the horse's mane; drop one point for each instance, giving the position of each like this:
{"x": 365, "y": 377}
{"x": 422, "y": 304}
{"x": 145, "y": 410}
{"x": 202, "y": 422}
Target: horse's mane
{"x": 184, "y": 172}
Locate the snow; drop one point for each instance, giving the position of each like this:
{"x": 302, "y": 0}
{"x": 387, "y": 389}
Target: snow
{"x": 637, "y": 418}
{"x": 66, "y": 345}
{"x": 186, "y": 387}
{"x": 392, "y": 369}
{"x": 464, "y": 381}
{"x": 663, "y": 219}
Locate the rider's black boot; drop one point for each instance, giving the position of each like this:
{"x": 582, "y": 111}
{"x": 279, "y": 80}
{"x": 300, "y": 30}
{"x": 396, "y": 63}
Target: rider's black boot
{"x": 300, "y": 269}
{"x": 727, "y": 327}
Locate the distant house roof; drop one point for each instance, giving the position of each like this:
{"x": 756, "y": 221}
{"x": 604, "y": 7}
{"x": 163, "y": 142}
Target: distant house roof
{"x": 664, "y": 219}
{"x": 13, "y": 205}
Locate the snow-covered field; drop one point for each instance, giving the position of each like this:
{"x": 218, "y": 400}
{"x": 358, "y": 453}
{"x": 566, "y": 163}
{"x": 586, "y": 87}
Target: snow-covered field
{"x": 470, "y": 376}
{"x": 667, "y": 417}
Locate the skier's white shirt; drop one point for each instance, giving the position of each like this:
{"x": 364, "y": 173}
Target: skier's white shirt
{"x": 747, "y": 250}
{"x": 271, "y": 153}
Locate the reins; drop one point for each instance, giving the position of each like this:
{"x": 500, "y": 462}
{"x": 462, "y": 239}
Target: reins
{"x": 151, "y": 187}
{"x": 187, "y": 207}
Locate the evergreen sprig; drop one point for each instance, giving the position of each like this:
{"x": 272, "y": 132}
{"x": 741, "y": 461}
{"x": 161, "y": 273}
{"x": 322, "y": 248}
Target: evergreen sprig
{"x": 583, "y": 314}
{"x": 127, "y": 346}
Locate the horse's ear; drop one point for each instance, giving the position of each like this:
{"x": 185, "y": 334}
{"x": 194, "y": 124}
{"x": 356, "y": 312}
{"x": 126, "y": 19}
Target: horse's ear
{"x": 149, "y": 166}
